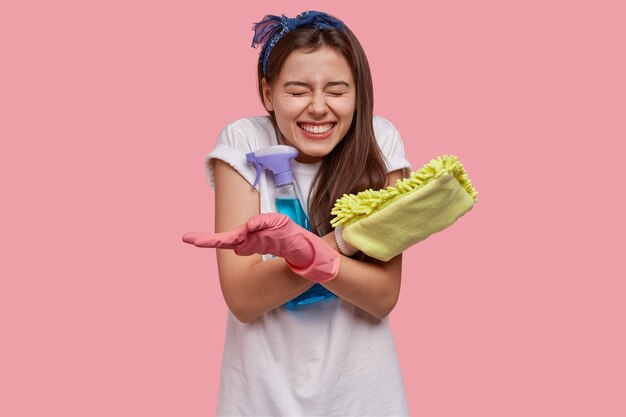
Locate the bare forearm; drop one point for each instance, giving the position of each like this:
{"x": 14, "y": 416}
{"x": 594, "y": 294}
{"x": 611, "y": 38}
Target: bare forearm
{"x": 261, "y": 287}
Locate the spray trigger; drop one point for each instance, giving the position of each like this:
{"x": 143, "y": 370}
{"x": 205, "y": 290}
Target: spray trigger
{"x": 259, "y": 170}
{"x": 251, "y": 157}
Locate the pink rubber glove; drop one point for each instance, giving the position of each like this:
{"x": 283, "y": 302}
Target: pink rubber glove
{"x": 306, "y": 254}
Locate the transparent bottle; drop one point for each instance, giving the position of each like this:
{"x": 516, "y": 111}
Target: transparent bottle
{"x": 287, "y": 203}
{"x": 278, "y": 160}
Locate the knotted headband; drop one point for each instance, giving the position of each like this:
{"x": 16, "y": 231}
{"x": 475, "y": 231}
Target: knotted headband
{"x": 269, "y": 30}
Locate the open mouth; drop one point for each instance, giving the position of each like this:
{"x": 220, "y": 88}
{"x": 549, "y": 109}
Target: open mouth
{"x": 317, "y": 129}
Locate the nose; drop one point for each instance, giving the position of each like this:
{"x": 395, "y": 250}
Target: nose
{"x": 318, "y": 104}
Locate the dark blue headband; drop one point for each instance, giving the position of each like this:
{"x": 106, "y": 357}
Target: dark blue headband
{"x": 269, "y": 30}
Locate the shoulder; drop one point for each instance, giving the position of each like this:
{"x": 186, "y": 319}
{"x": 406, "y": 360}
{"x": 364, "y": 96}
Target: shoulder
{"x": 383, "y": 125}
{"x": 236, "y": 140}
{"x": 254, "y": 131}
{"x": 385, "y": 132}
{"x": 255, "y": 123}
{"x": 390, "y": 143}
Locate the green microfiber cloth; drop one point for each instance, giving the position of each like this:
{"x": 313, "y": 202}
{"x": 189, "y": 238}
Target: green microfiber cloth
{"x": 384, "y": 223}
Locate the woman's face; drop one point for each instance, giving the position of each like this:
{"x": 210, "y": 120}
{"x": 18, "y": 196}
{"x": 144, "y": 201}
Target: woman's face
{"x": 313, "y": 101}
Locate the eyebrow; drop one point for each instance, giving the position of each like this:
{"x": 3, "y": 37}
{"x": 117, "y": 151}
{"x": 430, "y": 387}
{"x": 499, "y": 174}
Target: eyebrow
{"x": 303, "y": 84}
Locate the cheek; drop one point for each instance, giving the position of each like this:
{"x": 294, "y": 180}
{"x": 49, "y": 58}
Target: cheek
{"x": 286, "y": 111}
{"x": 346, "y": 108}
{"x": 285, "y": 117}
{"x": 348, "y": 112}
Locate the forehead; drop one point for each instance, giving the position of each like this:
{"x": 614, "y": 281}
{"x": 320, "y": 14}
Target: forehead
{"x": 322, "y": 64}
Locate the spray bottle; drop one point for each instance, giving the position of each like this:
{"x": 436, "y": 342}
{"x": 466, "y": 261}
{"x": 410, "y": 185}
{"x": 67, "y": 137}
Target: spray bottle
{"x": 278, "y": 160}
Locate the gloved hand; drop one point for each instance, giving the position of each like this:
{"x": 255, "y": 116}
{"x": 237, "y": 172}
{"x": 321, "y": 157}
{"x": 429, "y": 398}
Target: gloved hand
{"x": 306, "y": 254}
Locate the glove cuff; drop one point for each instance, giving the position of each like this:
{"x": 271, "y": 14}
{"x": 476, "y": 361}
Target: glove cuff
{"x": 345, "y": 248}
{"x": 317, "y": 272}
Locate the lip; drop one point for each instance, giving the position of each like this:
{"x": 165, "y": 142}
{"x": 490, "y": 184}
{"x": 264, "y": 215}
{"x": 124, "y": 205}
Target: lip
{"x": 316, "y": 136}
{"x": 306, "y": 122}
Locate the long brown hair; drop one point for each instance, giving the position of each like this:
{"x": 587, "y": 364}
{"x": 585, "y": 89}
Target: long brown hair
{"x": 356, "y": 163}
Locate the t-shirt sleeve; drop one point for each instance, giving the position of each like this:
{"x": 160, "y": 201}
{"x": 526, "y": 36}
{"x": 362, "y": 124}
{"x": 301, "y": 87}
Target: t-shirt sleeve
{"x": 233, "y": 143}
{"x": 391, "y": 145}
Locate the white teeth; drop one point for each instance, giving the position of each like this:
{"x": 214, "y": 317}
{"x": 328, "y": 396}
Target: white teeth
{"x": 317, "y": 129}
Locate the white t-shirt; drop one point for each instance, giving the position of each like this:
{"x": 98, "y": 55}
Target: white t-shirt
{"x": 327, "y": 359}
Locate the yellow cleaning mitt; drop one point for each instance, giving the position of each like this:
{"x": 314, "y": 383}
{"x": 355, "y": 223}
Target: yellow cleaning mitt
{"x": 384, "y": 223}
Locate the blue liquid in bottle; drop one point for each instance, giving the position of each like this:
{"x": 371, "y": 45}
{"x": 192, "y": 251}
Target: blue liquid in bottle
{"x": 292, "y": 208}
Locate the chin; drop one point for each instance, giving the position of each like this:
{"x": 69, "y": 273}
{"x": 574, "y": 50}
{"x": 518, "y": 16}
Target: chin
{"x": 317, "y": 152}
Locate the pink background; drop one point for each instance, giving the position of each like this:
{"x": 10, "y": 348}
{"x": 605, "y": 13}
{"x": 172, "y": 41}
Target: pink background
{"x": 109, "y": 108}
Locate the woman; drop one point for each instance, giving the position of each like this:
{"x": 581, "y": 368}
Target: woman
{"x": 335, "y": 357}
